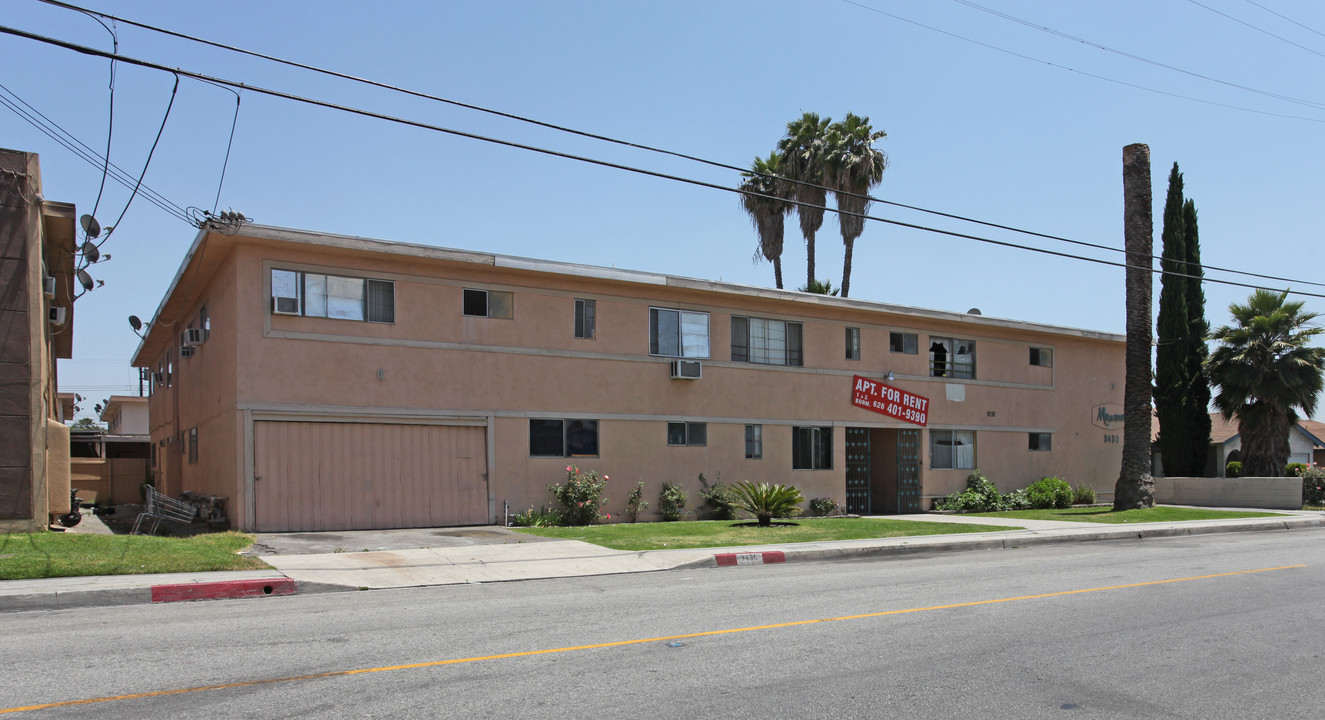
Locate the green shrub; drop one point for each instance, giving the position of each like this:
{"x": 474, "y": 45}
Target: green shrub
{"x": 581, "y": 496}
{"x": 1313, "y": 485}
{"x": 980, "y": 495}
{"x": 766, "y": 501}
{"x": 1017, "y": 500}
{"x": 542, "y": 517}
{"x": 822, "y": 507}
{"x": 635, "y": 502}
{"x": 1294, "y": 469}
{"x": 1083, "y": 495}
{"x": 719, "y": 498}
{"x": 672, "y": 501}
{"x": 1049, "y": 493}
{"x": 1233, "y": 469}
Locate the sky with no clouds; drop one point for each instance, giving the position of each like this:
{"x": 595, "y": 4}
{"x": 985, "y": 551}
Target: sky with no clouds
{"x": 1012, "y": 112}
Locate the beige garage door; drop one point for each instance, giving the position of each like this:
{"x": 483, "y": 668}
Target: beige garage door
{"x": 364, "y": 476}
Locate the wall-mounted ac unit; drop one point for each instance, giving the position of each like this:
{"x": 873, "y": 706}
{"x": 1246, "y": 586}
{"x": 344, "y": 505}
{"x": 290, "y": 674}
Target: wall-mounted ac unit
{"x": 158, "y": 378}
{"x": 687, "y": 369}
{"x": 284, "y": 306}
{"x": 194, "y": 337}
{"x": 48, "y": 286}
{"x": 186, "y": 351}
{"x": 57, "y": 315}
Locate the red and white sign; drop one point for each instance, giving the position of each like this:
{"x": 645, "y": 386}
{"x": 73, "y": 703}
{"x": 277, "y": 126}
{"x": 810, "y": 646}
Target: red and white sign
{"x": 890, "y": 401}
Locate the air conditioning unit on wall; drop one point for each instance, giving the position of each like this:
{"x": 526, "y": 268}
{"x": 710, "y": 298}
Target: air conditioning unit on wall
{"x": 194, "y": 337}
{"x": 687, "y": 369}
{"x": 57, "y": 315}
{"x": 186, "y": 351}
{"x": 284, "y": 306}
{"x": 48, "y": 286}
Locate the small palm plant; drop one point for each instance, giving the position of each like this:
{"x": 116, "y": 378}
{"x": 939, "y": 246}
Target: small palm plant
{"x": 766, "y": 501}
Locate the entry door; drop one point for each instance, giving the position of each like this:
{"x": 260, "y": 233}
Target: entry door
{"x": 858, "y": 471}
{"x": 908, "y": 471}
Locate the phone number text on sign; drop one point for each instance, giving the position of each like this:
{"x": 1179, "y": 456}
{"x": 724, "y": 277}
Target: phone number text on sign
{"x": 887, "y": 400}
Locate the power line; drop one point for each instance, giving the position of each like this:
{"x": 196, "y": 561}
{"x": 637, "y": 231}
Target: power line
{"x": 148, "y": 162}
{"x": 593, "y": 161}
{"x": 1285, "y": 17}
{"x": 1256, "y": 28}
{"x": 617, "y": 141}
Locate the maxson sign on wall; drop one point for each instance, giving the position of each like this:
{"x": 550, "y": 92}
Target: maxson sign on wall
{"x": 890, "y": 401}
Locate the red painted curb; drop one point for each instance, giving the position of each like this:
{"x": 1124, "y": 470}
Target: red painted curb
{"x": 222, "y": 590}
{"x": 750, "y": 558}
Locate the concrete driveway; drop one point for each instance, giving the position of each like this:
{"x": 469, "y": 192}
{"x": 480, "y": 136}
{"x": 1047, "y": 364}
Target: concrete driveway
{"x": 353, "y": 541}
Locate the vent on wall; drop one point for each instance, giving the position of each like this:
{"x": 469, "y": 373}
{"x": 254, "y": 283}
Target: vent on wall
{"x": 687, "y": 369}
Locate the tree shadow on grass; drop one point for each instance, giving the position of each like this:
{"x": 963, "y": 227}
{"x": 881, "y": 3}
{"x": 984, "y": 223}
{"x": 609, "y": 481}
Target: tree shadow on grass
{"x": 755, "y": 524}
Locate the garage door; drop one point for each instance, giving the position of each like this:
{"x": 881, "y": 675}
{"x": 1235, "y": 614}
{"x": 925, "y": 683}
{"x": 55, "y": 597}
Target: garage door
{"x": 367, "y": 476}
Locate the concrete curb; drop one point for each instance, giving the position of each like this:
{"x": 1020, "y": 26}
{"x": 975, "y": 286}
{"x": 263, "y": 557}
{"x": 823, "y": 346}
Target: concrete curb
{"x": 161, "y": 593}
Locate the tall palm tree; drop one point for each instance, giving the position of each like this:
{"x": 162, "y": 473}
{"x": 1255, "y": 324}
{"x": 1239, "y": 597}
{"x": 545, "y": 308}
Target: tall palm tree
{"x": 764, "y": 197}
{"x": 1264, "y": 371}
{"x": 804, "y": 154}
{"x": 1135, "y": 487}
{"x": 855, "y": 166}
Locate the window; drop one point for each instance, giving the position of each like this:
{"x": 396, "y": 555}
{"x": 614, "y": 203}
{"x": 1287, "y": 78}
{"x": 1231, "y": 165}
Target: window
{"x": 678, "y": 333}
{"x": 853, "y": 343}
{"x": 563, "y": 438}
{"x": 754, "y": 442}
{"x": 329, "y": 296}
{"x": 812, "y": 448}
{"x": 489, "y": 303}
{"x": 205, "y": 321}
{"x": 952, "y": 449}
{"x": 687, "y": 433}
{"x": 1044, "y": 357}
{"x": 903, "y": 343}
{"x": 585, "y": 312}
{"x": 950, "y": 357}
{"x": 193, "y": 445}
{"x": 769, "y": 342}
{"x": 1041, "y": 442}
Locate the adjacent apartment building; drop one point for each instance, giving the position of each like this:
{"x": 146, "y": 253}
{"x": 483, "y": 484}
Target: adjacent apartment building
{"x": 324, "y": 382}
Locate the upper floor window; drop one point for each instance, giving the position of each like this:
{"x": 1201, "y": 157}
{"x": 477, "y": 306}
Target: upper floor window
{"x": 853, "y": 343}
{"x": 332, "y": 296}
{"x": 951, "y": 357}
{"x": 489, "y": 303}
{"x": 771, "y": 342}
{"x": 586, "y": 312}
{"x": 1044, "y": 357}
{"x": 900, "y": 342}
{"x": 678, "y": 333}
{"x": 205, "y": 321}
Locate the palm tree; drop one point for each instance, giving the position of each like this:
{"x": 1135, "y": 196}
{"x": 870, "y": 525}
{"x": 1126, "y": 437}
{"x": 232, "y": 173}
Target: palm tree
{"x": 855, "y": 166}
{"x": 804, "y": 160}
{"x": 1135, "y": 487}
{"x": 764, "y": 197}
{"x": 1264, "y": 370}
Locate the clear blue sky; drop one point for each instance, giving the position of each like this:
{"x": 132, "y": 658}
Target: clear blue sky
{"x": 971, "y": 130}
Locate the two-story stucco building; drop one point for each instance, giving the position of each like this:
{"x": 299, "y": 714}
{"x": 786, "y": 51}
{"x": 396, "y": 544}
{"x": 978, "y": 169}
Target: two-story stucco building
{"x": 330, "y": 382}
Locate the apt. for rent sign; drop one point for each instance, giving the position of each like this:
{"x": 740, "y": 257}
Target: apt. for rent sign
{"x": 887, "y": 400}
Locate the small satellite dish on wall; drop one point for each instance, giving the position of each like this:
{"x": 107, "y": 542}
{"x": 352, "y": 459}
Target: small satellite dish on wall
{"x": 90, "y": 225}
{"x": 135, "y": 323}
{"x": 973, "y": 311}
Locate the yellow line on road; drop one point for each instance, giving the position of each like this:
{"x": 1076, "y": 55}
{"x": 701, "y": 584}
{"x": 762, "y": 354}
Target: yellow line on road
{"x": 619, "y": 643}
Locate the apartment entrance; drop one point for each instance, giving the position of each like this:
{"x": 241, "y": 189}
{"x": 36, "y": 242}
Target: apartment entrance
{"x": 883, "y": 471}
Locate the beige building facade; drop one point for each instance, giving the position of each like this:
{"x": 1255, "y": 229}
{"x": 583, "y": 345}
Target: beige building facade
{"x": 324, "y": 382}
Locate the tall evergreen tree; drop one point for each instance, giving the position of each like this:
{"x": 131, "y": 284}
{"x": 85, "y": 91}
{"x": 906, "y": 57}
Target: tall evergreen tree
{"x": 1197, "y": 405}
{"x": 1172, "y": 373}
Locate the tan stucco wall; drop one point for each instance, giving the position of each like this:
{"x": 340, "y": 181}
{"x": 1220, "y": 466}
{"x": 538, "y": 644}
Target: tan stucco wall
{"x": 1267, "y": 493}
{"x": 57, "y": 468}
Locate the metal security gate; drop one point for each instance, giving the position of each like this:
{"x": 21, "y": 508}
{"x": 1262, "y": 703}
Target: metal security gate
{"x": 858, "y": 471}
{"x": 908, "y": 471}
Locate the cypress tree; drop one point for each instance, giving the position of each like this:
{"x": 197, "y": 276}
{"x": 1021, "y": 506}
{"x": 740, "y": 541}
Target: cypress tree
{"x": 1197, "y": 405}
{"x": 1172, "y": 380}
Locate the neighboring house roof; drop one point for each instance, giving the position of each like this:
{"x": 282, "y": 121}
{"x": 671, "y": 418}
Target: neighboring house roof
{"x": 1222, "y": 431}
{"x": 114, "y": 401}
{"x": 1317, "y": 430}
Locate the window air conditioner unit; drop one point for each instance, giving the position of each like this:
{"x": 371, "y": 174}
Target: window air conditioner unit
{"x": 186, "y": 351}
{"x": 48, "y": 286}
{"x": 687, "y": 369}
{"x": 284, "y": 306}
{"x": 57, "y": 315}
{"x": 194, "y": 337}
{"x": 158, "y": 378}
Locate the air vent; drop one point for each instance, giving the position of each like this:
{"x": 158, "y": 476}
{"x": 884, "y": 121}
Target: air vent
{"x": 687, "y": 369}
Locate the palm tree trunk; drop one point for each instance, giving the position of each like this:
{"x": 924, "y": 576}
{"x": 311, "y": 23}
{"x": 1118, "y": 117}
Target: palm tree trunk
{"x": 809, "y": 259}
{"x": 849, "y": 246}
{"x": 1135, "y": 487}
{"x": 777, "y": 271}
{"x": 1265, "y": 447}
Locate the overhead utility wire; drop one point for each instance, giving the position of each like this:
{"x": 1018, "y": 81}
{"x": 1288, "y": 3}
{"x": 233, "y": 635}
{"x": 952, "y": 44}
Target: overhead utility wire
{"x": 1285, "y": 17}
{"x": 85, "y": 152}
{"x": 1257, "y": 29}
{"x": 1083, "y": 73}
{"x": 110, "y": 123}
{"x": 602, "y": 163}
{"x": 626, "y": 143}
{"x": 1148, "y": 61}
{"x": 147, "y": 163}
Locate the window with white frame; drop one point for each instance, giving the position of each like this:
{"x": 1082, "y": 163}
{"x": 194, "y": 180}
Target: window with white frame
{"x": 193, "y": 445}
{"x": 952, "y": 449}
{"x": 585, "y": 315}
{"x": 951, "y": 358}
{"x": 1043, "y": 357}
{"x": 678, "y": 333}
{"x": 295, "y": 292}
{"x": 489, "y": 304}
{"x": 687, "y": 433}
{"x": 812, "y": 448}
{"x": 754, "y": 442}
{"x": 768, "y": 342}
{"x": 853, "y": 343}
{"x": 550, "y": 437}
{"x": 1040, "y": 442}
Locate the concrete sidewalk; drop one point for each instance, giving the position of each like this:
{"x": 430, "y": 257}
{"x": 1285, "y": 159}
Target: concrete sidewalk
{"x": 571, "y": 558}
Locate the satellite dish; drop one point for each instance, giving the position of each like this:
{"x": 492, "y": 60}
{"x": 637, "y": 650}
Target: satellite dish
{"x": 85, "y": 280}
{"x": 135, "y": 323}
{"x": 90, "y": 226}
{"x": 90, "y": 250}
{"x": 973, "y": 311}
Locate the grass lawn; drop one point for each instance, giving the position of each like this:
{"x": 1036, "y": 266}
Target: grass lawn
{"x": 1159, "y": 513}
{"x": 725, "y": 533}
{"x": 50, "y": 554}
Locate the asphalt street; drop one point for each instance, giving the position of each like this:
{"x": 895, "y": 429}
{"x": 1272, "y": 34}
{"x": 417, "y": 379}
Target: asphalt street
{"x": 1216, "y": 626}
